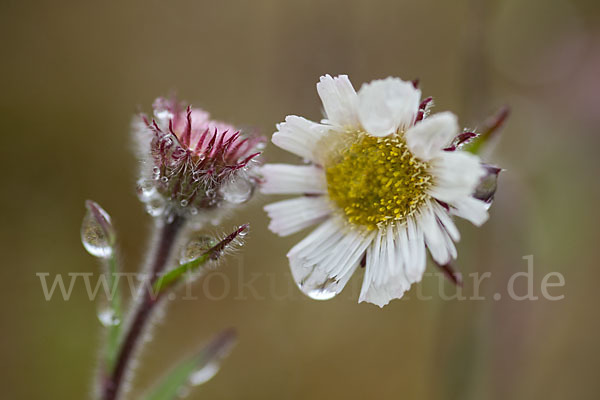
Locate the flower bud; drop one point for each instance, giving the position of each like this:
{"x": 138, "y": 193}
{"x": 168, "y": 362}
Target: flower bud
{"x": 193, "y": 163}
{"x": 489, "y": 182}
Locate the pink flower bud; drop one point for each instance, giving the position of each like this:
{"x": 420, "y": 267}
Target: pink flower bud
{"x": 193, "y": 163}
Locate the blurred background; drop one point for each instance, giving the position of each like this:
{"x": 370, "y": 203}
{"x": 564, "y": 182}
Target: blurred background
{"x": 72, "y": 75}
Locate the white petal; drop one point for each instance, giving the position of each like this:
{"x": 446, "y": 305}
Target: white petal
{"x": 471, "y": 209}
{"x": 293, "y": 215}
{"x": 339, "y": 101}
{"x": 384, "y": 106}
{"x": 446, "y": 221}
{"x": 416, "y": 261}
{"x": 325, "y": 260}
{"x": 438, "y": 240}
{"x": 456, "y": 174}
{"x": 292, "y": 179}
{"x": 384, "y": 278}
{"x": 299, "y": 136}
{"x": 428, "y": 137}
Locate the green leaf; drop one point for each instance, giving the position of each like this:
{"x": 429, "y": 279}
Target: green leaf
{"x": 490, "y": 128}
{"x": 173, "y": 276}
{"x": 204, "y": 364}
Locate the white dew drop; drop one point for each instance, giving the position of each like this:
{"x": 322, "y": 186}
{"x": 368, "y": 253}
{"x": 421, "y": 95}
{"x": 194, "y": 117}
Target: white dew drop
{"x": 321, "y": 294}
{"x": 146, "y": 189}
{"x": 195, "y": 247}
{"x": 155, "y": 206}
{"x": 199, "y": 377}
{"x": 238, "y": 192}
{"x": 163, "y": 114}
{"x": 205, "y": 373}
{"x": 107, "y": 316}
{"x": 93, "y": 236}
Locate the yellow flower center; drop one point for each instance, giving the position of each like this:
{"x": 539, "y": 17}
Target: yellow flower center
{"x": 377, "y": 180}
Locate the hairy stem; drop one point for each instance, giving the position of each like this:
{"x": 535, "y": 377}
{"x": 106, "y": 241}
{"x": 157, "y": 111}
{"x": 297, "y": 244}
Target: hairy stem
{"x": 166, "y": 239}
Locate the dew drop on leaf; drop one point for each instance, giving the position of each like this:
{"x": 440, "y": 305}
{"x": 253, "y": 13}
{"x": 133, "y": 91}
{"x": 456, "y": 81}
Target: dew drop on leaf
{"x": 204, "y": 374}
{"x": 195, "y": 247}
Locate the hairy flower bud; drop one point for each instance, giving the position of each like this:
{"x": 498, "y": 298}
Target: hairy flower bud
{"x": 192, "y": 163}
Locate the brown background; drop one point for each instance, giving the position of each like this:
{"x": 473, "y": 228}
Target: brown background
{"x": 72, "y": 74}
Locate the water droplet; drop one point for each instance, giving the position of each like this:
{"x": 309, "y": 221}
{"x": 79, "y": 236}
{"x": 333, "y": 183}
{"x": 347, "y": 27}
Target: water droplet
{"x": 164, "y": 179}
{"x": 195, "y": 247}
{"x": 244, "y": 232}
{"x": 166, "y": 141}
{"x": 170, "y": 217}
{"x": 155, "y": 206}
{"x": 183, "y": 203}
{"x": 107, "y": 317}
{"x": 193, "y": 211}
{"x": 146, "y": 189}
{"x": 94, "y": 235}
{"x": 261, "y": 146}
{"x": 204, "y": 374}
{"x": 163, "y": 114}
{"x": 238, "y": 192}
{"x": 321, "y": 294}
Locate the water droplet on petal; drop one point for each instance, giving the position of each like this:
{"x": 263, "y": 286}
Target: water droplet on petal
{"x": 321, "y": 294}
{"x": 96, "y": 232}
{"x": 163, "y": 114}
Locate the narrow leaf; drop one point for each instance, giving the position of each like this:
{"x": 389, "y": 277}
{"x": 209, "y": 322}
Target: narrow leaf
{"x": 490, "y": 128}
{"x": 194, "y": 371}
{"x": 173, "y": 276}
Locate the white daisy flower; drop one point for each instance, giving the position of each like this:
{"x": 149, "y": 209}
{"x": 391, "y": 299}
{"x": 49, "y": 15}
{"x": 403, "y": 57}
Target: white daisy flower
{"x": 381, "y": 181}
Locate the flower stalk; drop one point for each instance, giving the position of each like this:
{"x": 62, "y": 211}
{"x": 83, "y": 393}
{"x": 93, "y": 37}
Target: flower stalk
{"x": 166, "y": 240}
